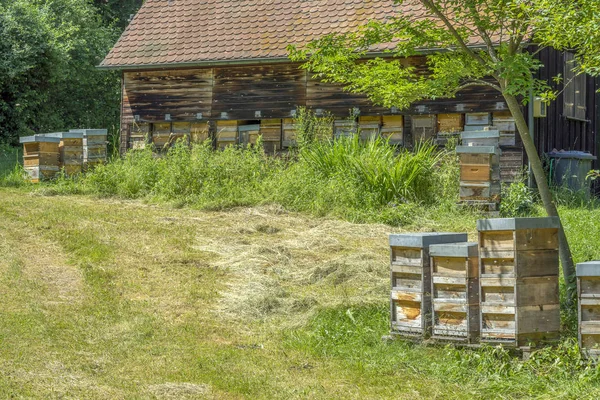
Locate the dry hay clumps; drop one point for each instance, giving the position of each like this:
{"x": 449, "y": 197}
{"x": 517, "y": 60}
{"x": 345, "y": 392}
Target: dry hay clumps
{"x": 282, "y": 264}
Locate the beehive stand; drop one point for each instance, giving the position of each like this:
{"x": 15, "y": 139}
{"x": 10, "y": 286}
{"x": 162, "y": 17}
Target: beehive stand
{"x": 588, "y": 292}
{"x": 411, "y": 281}
{"x": 455, "y": 292}
{"x": 518, "y": 267}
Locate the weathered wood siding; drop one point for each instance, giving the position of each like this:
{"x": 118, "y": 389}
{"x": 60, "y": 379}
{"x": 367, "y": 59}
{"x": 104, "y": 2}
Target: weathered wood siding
{"x": 180, "y": 93}
{"x": 266, "y": 91}
{"x": 556, "y": 131}
{"x": 258, "y": 92}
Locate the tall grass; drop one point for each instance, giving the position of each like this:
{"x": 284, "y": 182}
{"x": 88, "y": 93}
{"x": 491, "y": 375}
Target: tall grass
{"x": 360, "y": 181}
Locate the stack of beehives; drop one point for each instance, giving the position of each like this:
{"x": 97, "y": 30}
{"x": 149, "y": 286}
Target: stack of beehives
{"x": 455, "y": 291}
{"x": 70, "y": 150}
{"x": 588, "y": 290}
{"x": 94, "y": 146}
{"x": 411, "y": 280}
{"x": 199, "y": 132}
{"x": 503, "y": 289}
{"x": 480, "y": 169}
{"x": 519, "y": 280}
{"x": 40, "y": 157}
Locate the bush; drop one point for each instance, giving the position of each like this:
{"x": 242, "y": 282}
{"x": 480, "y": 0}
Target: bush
{"x": 518, "y": 199}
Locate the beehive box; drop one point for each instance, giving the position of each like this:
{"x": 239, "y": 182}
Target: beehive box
{"x": 480, "y": 138}
{"x": 504, "y": 123}
{"x": 161, "y": 134}
{"x": 344, "y": 128}
{"x": 455, "y": 291}
{"x": 392, "y": 129}
{"x": 227, "y": 133}
{"x": 94, "y": 146}
{"x": 271, "y": 132}
{"x": 479, "y": 173}
{"x": 588, "y": 293}
{"x": 248, "y": 134}
{"x": 289, "y": 133}
{"x": 449, "y": 126}
{"x": 518, "y": 270}
{"x": 199, "y": 132}
{"x": 139, "y": 135}
{"x": 410, "y": 304}
{"x": 70, "y": 151}
{"x": 40, "y": 157}
{"x": 424, "y": 127}
{"x": 369, "y": 127}
{"x": 477, "y": 121}
{"x": 180, "y": 131}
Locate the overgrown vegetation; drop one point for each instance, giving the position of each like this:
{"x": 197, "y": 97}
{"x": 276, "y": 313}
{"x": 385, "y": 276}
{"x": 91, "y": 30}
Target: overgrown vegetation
{"x": 346, "y": 178}
{"x": 48, "y": 76}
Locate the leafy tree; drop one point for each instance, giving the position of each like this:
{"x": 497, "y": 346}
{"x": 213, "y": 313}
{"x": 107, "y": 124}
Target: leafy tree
{"x": 117, "y": 12}
{"x": 48, "y": 76}
{"x": 502, "y": 60}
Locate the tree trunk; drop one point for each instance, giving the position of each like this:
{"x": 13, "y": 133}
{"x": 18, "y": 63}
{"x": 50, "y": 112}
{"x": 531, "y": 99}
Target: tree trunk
{"x": 544, "y": 190}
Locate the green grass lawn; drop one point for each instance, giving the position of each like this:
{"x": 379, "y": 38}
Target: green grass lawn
{"x": 114, "y": 299}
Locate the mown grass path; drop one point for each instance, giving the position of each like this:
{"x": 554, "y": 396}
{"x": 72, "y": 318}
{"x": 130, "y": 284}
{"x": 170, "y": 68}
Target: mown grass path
{"x": 111, "y": 299}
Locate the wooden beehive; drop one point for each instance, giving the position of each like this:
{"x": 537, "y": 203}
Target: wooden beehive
{"x": 271, "y": 132}
{"x": 424, "y": 127}
{"x": 588, "y": 293}
{"x": 161, "y": 134}
{"x": 344, "y": 128}
{"x": 480, "y": 138}
{"x": 504, "y": 123}
{"x": 455, "y": 291}
{"x": 248, "y": 134}
{"x": 180, "y": 131}
{"x": 392, "y": 129}
{"x": 199, "y": 132}
{"x": 40, "y": 157}
{"x": 289, "y": 133}
{"x": 139, "y": 135}
{"x": 477, "y": 121}
{"x": 479, "y": 173}
{"x": 410, "y": 304}
{"x": 369, "y": 127}
{"x": 94, "y": 146}
{"x": 449, "y": 126}
{"x": 227, "y": 133}
{"x": 518, "y": 274}
{"x": 70, "y": 151}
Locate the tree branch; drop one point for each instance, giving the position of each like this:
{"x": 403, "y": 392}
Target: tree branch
{"x": 478, "y": 82}
{"x": 461, "y": 43}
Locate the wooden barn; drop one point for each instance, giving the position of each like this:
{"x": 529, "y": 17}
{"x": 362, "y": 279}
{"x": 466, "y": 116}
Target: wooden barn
{"x": 218, "y": 70}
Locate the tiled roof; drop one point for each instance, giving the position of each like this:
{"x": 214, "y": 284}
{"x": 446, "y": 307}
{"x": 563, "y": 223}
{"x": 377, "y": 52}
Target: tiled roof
{"x": 204, "y": 31}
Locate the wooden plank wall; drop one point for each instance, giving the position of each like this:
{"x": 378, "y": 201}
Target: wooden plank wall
{"x": 557, "y": 131}
{"x": 274, "y": 91}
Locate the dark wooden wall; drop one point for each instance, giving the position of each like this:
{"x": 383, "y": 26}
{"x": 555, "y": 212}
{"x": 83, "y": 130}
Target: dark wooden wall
{"x": 263, "y": 92}
{"x": 556, "y": 131}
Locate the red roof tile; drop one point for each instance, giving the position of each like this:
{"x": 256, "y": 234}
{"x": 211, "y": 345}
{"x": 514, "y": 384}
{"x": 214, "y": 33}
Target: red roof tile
{"x": 204, "y": 31}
